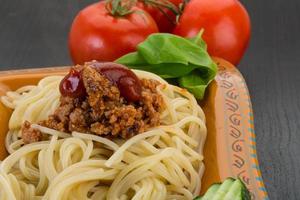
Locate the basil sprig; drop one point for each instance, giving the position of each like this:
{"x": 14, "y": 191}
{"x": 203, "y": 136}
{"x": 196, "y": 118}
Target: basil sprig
{"x": 182, "y": 61}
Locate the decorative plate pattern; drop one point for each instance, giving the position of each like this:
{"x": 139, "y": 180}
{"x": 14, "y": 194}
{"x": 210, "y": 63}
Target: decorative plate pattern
{"x": 235, "y": 142}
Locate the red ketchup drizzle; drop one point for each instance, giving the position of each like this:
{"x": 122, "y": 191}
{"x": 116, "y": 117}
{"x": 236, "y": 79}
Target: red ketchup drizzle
{"x": 127, "y": 82}
{"x": 72, "y": 85}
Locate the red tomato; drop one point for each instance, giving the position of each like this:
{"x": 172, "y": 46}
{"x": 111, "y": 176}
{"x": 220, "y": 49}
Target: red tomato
{"x": 226, "y": 26}
{"x": 164, "y": 23}
{"x": 97, "y": 35}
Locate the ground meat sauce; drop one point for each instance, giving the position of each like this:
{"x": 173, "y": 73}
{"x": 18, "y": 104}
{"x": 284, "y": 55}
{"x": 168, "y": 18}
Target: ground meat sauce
{"x": 29, "y": 134}
{"x": 122, "y": 77}
{"x": 127, "y": 82}
{"x": 103, "y": 110}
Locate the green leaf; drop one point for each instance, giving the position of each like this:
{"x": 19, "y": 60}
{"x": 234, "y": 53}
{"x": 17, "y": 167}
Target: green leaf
{"x": 184, "y": 61}
{"x": 168, "y": 48}
{"x": 194, "y": 84}
{"x": 131, "y": 59}
{"x": 165, "y": 70}
{"x": 199, "y": 40}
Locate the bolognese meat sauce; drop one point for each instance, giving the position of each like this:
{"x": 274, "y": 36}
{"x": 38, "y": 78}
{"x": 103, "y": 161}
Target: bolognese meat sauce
{"x": 106, "y": 99}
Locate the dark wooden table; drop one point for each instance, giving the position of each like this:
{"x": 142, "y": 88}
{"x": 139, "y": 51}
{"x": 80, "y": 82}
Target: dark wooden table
{"x": 33, "y": 33}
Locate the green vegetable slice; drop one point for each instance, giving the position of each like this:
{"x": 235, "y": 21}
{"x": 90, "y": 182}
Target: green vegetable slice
{"x": 230, "y": 189}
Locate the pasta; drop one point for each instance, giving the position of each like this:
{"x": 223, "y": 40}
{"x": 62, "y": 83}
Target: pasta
{"x": 165, "y": 162}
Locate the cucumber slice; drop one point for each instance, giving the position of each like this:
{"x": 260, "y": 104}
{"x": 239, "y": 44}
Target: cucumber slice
{"x": 230, "y": 189}
{"x": 224, "y": 188}
{"x": 237, "y": 191}
{"x": 211, "y": 192}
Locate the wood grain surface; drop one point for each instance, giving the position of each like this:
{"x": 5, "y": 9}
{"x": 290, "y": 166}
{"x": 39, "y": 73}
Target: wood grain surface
{"x": 34, "y": 33}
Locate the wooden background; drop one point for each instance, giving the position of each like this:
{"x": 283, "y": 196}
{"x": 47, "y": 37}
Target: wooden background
{"x": 33, "y": 33}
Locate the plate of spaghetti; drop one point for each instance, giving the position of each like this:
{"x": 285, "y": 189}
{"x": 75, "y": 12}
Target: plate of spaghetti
{"x": 166, "y": 122}
{"x": 161, "y": 144}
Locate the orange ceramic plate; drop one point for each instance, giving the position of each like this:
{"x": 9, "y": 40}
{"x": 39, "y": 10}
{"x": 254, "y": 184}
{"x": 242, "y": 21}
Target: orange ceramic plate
{"x": 230, "y": 146}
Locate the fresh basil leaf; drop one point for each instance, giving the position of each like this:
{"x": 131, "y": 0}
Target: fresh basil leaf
{"x": 131, "y": 59}
{"x": 199, "y": 40}
{"x": 183, "y": 61}
{"x": 172, "y": 70}
{"x": 168, "y": 48}
{"x": 197, "y": 81}
{"x": 165, "y": 70}
{"x": 194, "y": 84}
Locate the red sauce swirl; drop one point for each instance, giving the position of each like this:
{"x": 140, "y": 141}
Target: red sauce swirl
{"x": 127, "y": 82}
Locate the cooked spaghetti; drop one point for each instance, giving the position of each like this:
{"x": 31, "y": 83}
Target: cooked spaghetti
{"x": 164, "y": 162}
